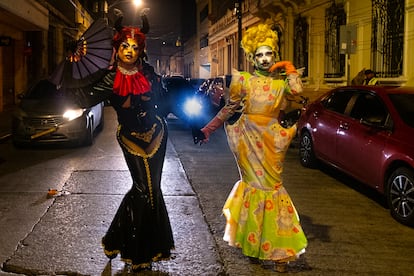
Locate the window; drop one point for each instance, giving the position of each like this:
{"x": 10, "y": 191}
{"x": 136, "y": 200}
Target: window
{"x": 204, "y": 41}
{"x": 387, "y": 37}
{"x": 337, "y": 101}
{"x": 404, "y": 104}
{"x": 300, "y": 58}
{"x": 369, "y": 108}
{"x": 335, "y": 16}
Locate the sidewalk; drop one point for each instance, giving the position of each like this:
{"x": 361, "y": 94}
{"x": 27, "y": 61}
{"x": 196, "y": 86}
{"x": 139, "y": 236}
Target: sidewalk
{"x": 65, "y": 239}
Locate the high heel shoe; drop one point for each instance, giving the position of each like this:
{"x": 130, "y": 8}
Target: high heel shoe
{"x": 111, "y": 254}
{"x": 254, "y": 260}
{"x": 142, "y": 267}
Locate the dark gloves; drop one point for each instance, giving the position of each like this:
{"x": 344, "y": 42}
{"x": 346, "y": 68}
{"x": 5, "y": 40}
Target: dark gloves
{"x": 198, "y": 135}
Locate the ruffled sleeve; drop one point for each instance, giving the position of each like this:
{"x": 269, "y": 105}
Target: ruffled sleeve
{"x": 237, "y": 92}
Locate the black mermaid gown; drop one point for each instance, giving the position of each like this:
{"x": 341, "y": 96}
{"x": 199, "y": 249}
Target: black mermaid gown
{"x": 141, "y": 230}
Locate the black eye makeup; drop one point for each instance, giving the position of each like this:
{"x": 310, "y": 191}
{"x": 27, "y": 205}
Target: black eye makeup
{"x": 126, "y": 45}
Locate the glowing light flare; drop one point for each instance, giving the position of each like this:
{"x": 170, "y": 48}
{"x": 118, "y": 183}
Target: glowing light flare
{"x": 72, "y": 114}
{"x": 137, "y": 3}
{"x": 192, "y": 107}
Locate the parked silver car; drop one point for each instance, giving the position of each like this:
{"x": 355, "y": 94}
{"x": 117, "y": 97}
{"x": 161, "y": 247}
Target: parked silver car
{"x": 46, "y": 115}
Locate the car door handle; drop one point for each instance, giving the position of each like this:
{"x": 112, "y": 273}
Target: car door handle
{"x": 344, "y": 126}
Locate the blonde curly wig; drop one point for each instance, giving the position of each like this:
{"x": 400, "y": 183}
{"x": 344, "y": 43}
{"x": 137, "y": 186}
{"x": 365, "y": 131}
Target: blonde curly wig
{"x": 260, "y": 35}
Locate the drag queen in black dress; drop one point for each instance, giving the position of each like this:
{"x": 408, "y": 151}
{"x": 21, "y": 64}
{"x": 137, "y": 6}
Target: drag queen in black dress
{"x": 140, "y": 231}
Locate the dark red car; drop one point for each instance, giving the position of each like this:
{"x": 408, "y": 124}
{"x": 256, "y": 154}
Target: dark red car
{"x": 368, "y": 133}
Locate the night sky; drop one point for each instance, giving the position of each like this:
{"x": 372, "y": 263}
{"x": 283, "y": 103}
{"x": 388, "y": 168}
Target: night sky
{"x": 168, "y": 21}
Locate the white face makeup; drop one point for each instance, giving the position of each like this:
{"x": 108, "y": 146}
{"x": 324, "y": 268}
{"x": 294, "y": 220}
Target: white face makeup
{"x": 264, "y": 58}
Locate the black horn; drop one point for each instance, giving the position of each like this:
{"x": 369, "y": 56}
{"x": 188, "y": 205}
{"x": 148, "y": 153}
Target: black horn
{"x": 118, "y": 21}
{"x": 145, "y": 24}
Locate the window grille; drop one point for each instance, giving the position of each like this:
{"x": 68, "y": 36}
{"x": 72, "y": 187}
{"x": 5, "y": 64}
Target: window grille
{"x": 279, "y": 30}
{"x": 335, "y": 16}
{"x": 387, "y": 41}
{"x": 301, "y": 45}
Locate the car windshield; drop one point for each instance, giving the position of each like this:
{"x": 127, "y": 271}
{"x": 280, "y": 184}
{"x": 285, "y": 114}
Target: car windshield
{"x": 43, "y": 90}
{"x": 404, "y": 103}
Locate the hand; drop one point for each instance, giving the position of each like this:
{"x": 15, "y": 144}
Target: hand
{"x": 198, "y": 136}
{"x": 287, "y": 65}
{"x": 204, "y": 133}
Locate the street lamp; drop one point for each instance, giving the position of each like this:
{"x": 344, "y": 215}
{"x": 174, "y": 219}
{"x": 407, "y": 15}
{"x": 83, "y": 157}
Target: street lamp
{"x": 136, "y": 3}
{"x": 106, "y": 6}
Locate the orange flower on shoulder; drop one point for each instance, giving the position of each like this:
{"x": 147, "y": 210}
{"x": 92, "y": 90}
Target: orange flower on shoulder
{"x": 283, "y": 133}
{"x": 295, "y": 229}
{"x": 246, "y": 204}
{"x": 269, "y": 205}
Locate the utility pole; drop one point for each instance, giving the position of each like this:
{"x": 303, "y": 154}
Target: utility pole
{"x": 348, "y": 43}
{"x": 238, "y": 7}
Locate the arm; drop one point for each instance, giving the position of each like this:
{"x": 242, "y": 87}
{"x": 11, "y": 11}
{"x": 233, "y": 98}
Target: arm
{"x": 232, "y": 104}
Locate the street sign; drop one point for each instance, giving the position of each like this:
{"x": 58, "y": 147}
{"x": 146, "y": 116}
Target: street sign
{"x": 347, "y": 39}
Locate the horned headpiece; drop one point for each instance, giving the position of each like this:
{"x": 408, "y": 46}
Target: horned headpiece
{"x": 124, "y": 32}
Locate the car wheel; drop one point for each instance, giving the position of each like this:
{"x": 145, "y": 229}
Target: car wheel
{"x": 400, "y": 195}
{"x": 306, "y": 152}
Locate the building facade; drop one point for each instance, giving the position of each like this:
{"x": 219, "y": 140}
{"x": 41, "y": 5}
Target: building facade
{"x": 33, "y": 38}
{"x": 332, "y": 40}
{"x": 22, "y": 24}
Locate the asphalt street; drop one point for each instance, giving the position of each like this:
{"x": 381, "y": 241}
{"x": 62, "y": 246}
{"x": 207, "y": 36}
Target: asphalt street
{"x": 349, "y": 229}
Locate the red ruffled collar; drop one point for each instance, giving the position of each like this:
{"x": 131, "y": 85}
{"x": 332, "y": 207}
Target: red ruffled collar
{"x": 130, "y": 82}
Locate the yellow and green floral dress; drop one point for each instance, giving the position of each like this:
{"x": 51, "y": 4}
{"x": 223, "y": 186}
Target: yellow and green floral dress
{"x": 261, "y": 217}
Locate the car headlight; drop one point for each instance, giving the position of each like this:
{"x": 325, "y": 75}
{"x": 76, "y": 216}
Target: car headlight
{"x": 72, "y": 114}
{"x": 192, "y": 107}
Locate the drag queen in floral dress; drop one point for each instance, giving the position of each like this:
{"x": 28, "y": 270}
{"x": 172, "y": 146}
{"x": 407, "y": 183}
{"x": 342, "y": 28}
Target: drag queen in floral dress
{"x": 261, "y": 217}
{"x": 140, "y": 231}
